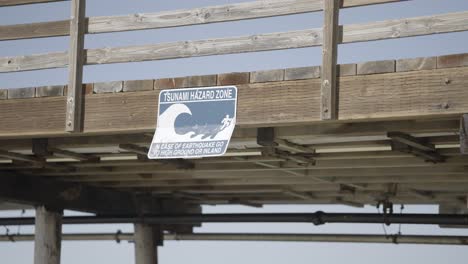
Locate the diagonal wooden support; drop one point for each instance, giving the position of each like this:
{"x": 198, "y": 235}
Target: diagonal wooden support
{"x": 464, "y": 134}
{"x": 20, "y": 157}
{"x": 76, "y": 54}
{"x": 245, "y": 203}
{"x": 408, "y": 144}
{"x": 69, "y": 154}
{"x": 411, "y": 141}
{"x": 329, "y": 94}
{"x": 349, "y": 203}
{"x": 301, "y": 195}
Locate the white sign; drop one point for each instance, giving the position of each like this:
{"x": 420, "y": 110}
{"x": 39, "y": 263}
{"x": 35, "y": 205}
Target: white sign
{"x": 194, "y": 122}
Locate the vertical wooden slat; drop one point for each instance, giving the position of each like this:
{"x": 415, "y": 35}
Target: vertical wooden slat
{"x": 48, "y": 236}
{"x": 76, "y": 59}
{"x": 329, "y": 50}
{"x": 464, "y": 134}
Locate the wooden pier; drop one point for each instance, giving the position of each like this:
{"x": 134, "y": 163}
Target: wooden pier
{"x": 354, "y": 134}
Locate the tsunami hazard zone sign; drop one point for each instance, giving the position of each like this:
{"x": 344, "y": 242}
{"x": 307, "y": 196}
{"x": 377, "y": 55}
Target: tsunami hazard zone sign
{"x": 194, "y": 122}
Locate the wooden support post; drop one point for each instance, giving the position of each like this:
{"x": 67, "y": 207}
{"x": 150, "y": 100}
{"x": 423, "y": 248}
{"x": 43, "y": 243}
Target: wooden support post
{"x": 40, "y": 147}
{"x": 464, "y": 134}
{"x": 75, "y": 67}
{"x": 329, "y": 107}
{"x": 147, "y": 238}
{"x": 48, "y": 236}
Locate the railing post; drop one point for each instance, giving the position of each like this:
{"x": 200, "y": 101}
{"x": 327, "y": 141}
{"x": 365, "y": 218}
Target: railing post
{"x": 329, "y": 107}
{"x": 74, "y": 120}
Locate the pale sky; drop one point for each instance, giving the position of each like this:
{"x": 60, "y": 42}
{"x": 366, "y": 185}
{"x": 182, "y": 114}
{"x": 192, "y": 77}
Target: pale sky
{"x": 235, "y": 252}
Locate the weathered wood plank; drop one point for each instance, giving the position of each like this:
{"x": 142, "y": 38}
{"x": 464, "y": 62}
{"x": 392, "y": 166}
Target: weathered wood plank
{"x": 19, "y": 93}
{"x": 464, "y": 134}
{"x": 34, "y": 62}
{"x": 47, "y": 237}
{"x": 25, "y": 2}
{"x": 326, "y": 168}
{"x": 408, "y": 27}
{"x": 349, "y": 69}
{"x": 182, "y": 49}
{"x": 412, "y": 94}
{"x": 138, "y": 85}
{"x": 3, "y": 94}
{"x": 35, "y": 30}
{"x": 329, "y": 99}
{"x": 47, "y": 91}
{"x": 195, "y": 81}
{"x": 302, "y": 73}
{"x": 284, "y": 180}
{"x": 419, "y": 26}
{"x": 453, "y": 60}
{"x": 373, "y": 67}
{"x": 354, "y": 3}
{"x": 74, "y": 118}
{"x": 267, "y": 76}
{"x": 404, "y": 94}
{"x": 233, "y": 78}
{"x": 416, "y": 64}
{"x": 212, "y": 14}
{"x": 108, "y": 87}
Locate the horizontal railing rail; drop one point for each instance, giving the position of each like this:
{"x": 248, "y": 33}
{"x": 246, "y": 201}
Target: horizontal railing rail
{"x": 175, "y": 18}
{"x": 25, "y": 2}
{"x": 390, "y": 29}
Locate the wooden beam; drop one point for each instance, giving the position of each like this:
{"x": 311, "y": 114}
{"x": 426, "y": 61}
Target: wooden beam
{"x": 25, "y": 2}
{"x": 146, "y": 244}
{"x": 329, "y": 99}
{"x": 419, "y": 26}
{"x": 408, "y": 144}
{"x": 76, "y": 54}
{"x": 70, "y": 154}
{"x": 21, "y": 157}
{"x": 300, "y": 195}
{"x": 64, "y": 195}
{"x": 245, "y": 203}
{"x": 421, "y": 90}
{"x": 35, "y": 30}
{"x": 411, "y": 141}
{"x": 47, "y": 236}
{"x": 292, "y": 147}
{"x": 464, "y": 134}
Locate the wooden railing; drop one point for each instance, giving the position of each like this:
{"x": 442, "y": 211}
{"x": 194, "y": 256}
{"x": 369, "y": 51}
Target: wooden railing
{"x": 329, "y": 36}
